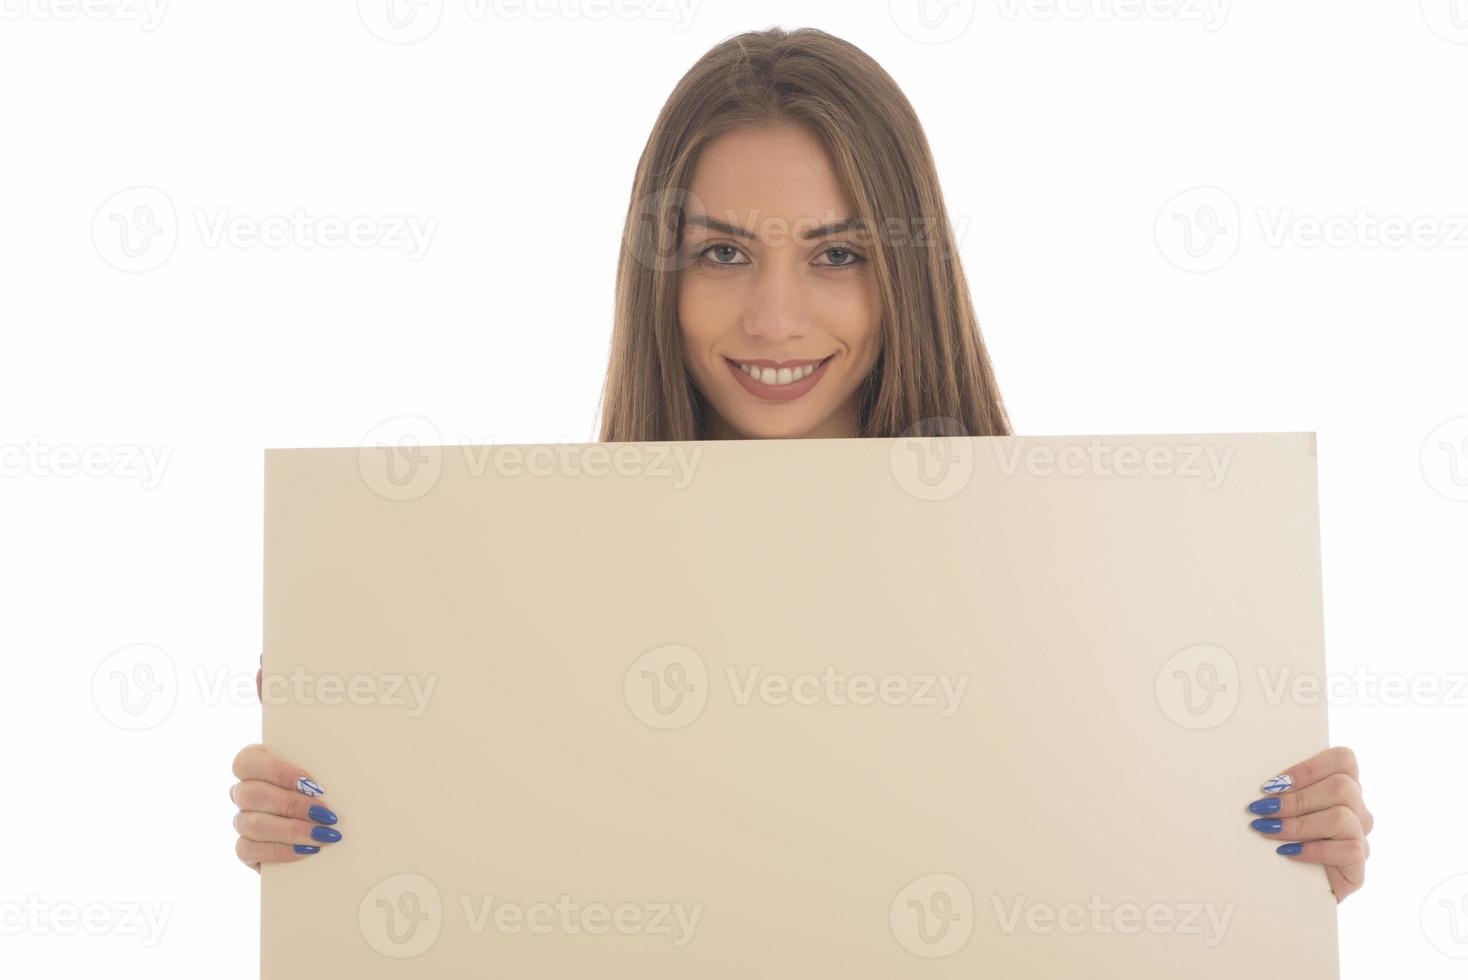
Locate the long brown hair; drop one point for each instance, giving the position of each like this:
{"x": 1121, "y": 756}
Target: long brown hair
{"x": 933, "y": 376}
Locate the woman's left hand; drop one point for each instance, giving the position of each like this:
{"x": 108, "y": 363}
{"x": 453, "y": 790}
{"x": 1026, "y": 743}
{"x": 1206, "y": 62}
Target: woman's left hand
{"x": 1317, "y": 806}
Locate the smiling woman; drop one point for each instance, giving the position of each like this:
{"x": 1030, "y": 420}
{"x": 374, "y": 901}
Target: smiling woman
{"x": 788, "y": 269}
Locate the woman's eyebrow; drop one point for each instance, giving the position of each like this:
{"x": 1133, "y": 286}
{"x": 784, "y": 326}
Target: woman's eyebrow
{"x": 808, "y": 234}
{"x": 717, "y": 225}
{"x": 834, "y": 228}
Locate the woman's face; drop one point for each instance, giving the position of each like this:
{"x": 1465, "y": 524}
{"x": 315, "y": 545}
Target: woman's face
{"x": 777, "y": 301}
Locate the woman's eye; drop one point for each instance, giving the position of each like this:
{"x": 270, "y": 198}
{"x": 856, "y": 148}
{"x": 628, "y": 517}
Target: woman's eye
{"x": 721, "y": 255}
{"x": 840, "y": 256}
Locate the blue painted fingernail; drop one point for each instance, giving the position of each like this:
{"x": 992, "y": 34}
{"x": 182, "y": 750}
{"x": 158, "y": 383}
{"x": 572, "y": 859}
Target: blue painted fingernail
{"x": 1267, "y": 826}
{"x": 321, "y": 814}
{"x": 326, "y": 834}
{"x": 309, "y": 786}
{"x": 1288, "y": 850}
{"x": 1270, "y": 805}
{"x": 1277, "y": 785}
{"x": 306, "y": 849}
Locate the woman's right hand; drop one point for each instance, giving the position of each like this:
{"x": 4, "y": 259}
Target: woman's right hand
{"x": 281, "y": 817}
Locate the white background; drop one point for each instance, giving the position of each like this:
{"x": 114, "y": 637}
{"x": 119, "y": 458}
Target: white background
{"x": 1064, "y": 135}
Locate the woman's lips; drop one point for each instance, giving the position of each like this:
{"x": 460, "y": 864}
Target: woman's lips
{"x": 779, "y": 392}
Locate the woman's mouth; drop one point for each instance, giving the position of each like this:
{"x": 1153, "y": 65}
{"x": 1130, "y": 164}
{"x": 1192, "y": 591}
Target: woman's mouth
{"x": 778, "y": 381}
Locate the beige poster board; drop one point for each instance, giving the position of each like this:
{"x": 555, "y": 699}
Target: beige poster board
{"x": 947, "y": 708}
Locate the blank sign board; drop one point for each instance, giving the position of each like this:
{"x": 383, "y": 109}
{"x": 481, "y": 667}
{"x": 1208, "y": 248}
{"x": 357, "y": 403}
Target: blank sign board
{"x": 938, "y": 707}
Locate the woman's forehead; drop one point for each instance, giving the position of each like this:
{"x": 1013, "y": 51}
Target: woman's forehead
{"x": 774, "y": 172}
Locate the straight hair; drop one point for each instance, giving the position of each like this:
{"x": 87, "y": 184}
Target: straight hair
{"x": 933, "y": 376}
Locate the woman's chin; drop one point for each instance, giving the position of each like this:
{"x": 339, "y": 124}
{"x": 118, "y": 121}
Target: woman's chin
{"x": 797, "y": 426}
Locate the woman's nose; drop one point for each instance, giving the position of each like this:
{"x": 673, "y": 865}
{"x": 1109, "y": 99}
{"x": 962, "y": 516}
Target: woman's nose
{"x": 777, "y": 311}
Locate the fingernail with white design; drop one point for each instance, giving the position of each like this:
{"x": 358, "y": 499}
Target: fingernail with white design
{"x": 1277, "y": 785}
{"x": 309, "y": 786}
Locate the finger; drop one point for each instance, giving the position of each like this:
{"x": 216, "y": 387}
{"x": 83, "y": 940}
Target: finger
{"x": 1313, "y": 770}
{"x": 268, "y": 828}
{"x": 1338, "y": 822}
{"x": 1348, "y": 855}
{"x": 1334, "y": 790}
{"x": 1340, "y": 885}
{"x": 254, "y": 762}
{"x": 255, "y": 853}
{"x": 258, "y": 795}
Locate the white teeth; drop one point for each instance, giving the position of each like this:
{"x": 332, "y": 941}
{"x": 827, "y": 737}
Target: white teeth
{"x": 777, "y": 377}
